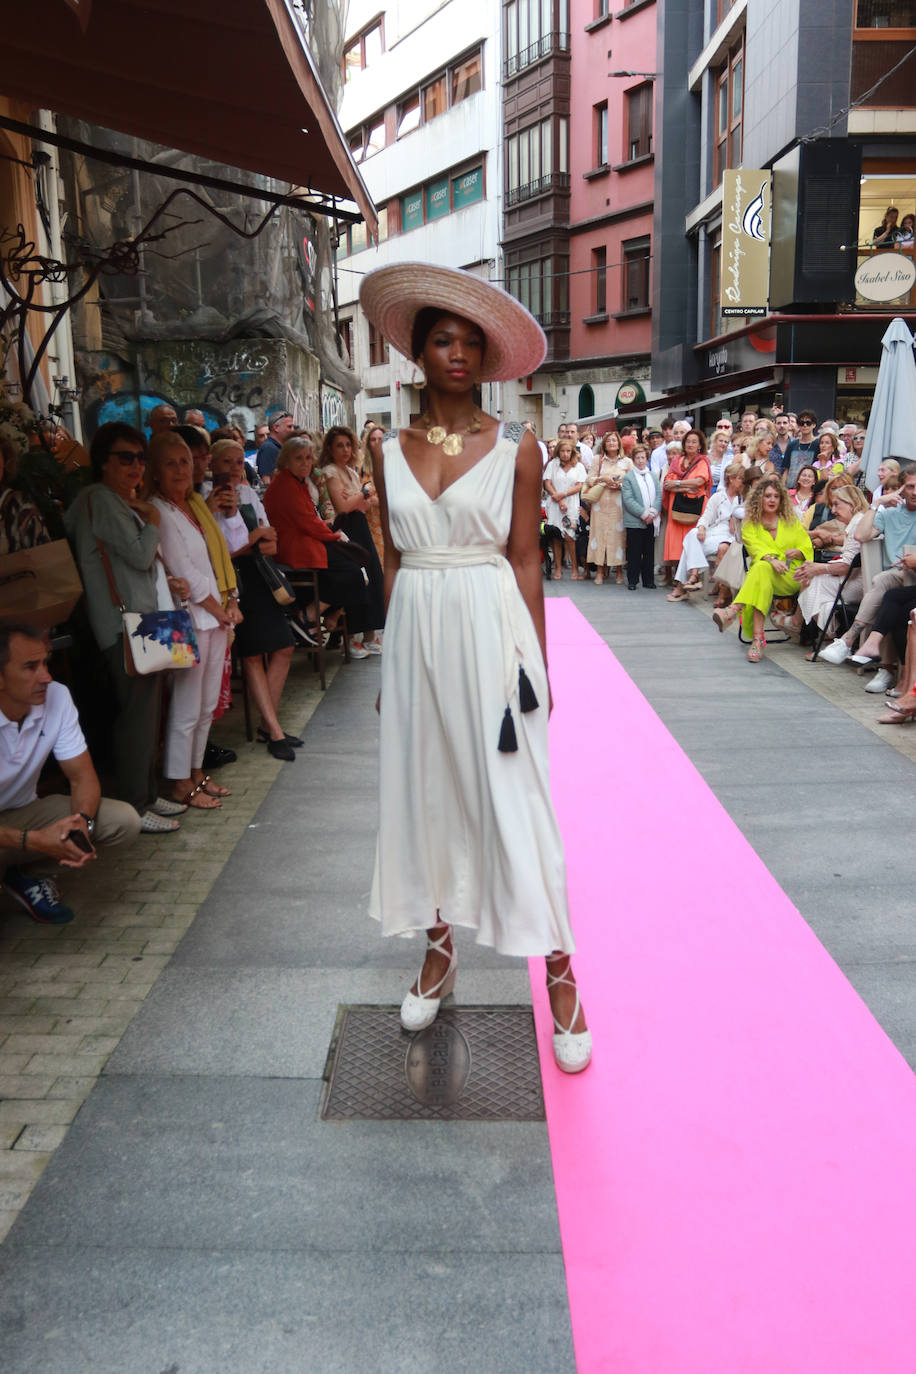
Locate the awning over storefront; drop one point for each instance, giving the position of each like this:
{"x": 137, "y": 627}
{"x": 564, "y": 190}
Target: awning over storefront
{"x": 231, "y": 81}
{"x": 677, "y": 400}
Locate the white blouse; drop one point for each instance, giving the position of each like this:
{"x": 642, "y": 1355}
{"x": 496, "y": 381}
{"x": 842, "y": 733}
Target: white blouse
{"x": 184, "y": 552}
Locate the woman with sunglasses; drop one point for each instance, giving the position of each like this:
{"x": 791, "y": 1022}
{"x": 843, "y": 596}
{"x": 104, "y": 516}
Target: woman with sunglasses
{"x": 110, "y": 511}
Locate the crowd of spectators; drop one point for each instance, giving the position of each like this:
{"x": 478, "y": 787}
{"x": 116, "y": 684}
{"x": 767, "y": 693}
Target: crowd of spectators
{"x": 789, "y": 491}
{"x": 240, "y": 533}
{"x": 773, "y": 513}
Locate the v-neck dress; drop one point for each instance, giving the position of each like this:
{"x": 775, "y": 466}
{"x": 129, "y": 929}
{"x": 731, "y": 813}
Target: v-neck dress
{"x": 465, "y": 829}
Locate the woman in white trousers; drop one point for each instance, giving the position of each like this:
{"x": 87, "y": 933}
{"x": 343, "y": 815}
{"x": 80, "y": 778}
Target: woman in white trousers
{"x": 193, "y": 548}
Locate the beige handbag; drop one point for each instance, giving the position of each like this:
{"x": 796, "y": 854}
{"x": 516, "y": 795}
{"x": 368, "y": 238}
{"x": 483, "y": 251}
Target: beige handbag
{"x": 594, "y": 493}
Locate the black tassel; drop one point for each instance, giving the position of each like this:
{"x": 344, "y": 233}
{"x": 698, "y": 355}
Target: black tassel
{"x": 508, "y": 744}
{"x": 527, "y": 701}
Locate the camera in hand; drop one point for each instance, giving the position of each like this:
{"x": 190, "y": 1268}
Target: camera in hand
{"x": 81, "y": 840}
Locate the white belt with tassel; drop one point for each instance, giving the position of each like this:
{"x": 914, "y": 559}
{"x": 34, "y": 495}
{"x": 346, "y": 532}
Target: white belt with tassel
{"x": 473, "y": 555}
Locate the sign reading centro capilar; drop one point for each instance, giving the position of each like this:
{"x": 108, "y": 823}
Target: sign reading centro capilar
{"x": 745, "y": 242}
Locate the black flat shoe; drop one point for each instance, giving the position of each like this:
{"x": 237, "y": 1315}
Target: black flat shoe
{"x": 632, "y": 586}
{"x": 279, "y": 749}
{"x": 216, "y": 757}
{"x": 294, "y": 740}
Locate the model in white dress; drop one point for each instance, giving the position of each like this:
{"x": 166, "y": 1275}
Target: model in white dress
{"x": 467, "y": 832}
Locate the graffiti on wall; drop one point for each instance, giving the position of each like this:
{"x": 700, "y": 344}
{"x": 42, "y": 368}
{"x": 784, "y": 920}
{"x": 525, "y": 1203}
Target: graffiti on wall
{"x": 333, "y": 409}
{"x": 240, "y": 383}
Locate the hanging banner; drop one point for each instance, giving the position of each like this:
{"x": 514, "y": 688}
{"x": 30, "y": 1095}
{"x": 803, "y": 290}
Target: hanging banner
{"x": 745, "y": 242}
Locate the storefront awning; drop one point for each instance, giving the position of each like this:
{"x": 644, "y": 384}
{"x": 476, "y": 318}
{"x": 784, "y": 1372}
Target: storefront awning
{"x": 678, "y": 400}
{"x": 231, "y": 81}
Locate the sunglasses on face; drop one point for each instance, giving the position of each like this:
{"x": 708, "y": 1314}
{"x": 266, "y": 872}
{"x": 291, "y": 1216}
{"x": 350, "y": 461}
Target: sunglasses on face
{"x": 126, "y": 458}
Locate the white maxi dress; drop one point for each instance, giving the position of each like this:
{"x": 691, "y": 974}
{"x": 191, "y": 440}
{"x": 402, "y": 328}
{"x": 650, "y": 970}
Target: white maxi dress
{"x": 466, "y": 830}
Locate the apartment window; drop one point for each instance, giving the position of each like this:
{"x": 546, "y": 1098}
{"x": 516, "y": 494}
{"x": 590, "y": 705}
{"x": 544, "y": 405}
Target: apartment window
{"x": 602, "y": 9}
{"x": 639, "y": 122}
{"x": 729, "y": 111}
{"x": 412, "y": 210}
{"x": 357, "y": 142}
{"x": 346, "y": 339}
{"x": 534, "y": 163}
{"x": 601, "y": 132}
{"x": 882, "y": 43}
{"x": 460, "y": 80}
{"x": 382, "y": 234}
{"x": 409, "y": 114}
{"x": 636, "y": 274}
{"x": 358, "y": 238}
{"x": 599, "y": 268}
{"x": 363, "y": 50}
{"x": 378, "y": 351}
{"x": 375, "y": 140}
{"x": 467, "y": 188}
{"x": 442, "y": 197}
{"x": 467, "y": 78}
{"x": 541, "y": 282}
{"x": 435, "y": 100}
{"x": 885, "y": 14}
{"x": 534, "y": 28}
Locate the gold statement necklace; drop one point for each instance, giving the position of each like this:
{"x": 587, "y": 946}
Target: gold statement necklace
{"x": 452, "y": 444}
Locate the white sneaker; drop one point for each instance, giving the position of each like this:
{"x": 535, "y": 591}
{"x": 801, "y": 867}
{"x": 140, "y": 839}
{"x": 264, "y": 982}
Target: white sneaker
{"x": 358, "y": 651}
{"x": 373, "y": 647}
{"x": 837, "y": 652}
{"x": 882, "y": 679}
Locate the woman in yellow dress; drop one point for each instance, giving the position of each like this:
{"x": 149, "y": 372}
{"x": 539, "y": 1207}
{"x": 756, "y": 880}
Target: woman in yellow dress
{"x": 775, "y": 539}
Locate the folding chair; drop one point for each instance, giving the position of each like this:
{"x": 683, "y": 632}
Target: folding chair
{"x": 839, "y": 604}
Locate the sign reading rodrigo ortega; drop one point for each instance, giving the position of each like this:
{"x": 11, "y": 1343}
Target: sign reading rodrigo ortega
{"x": 745, "y": 242}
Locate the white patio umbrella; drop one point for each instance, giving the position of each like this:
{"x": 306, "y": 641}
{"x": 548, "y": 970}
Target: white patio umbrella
{"x": 892, "y": 424}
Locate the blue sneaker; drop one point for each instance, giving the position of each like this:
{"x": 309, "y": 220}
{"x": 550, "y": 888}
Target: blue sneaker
{"x": 39, "y": 896}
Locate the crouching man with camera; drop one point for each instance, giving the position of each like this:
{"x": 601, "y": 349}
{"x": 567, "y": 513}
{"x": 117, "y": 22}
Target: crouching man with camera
{"x": 38, "y": 718}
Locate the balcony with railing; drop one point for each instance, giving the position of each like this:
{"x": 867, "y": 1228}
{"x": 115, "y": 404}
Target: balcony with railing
{"x": 552, "y": 181}
{"x": 545, "y": 46}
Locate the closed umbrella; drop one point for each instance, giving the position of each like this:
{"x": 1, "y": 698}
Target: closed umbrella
{"x": 892, "y": 424}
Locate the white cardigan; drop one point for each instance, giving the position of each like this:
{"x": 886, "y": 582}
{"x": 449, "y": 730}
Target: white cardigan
{"x": 184, "y": 551}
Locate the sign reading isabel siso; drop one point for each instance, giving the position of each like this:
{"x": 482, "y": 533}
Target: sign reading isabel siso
{"x": 885, "y": 276}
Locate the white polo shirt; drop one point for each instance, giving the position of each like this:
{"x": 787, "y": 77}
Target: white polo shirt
{"x": 24, "y": 748}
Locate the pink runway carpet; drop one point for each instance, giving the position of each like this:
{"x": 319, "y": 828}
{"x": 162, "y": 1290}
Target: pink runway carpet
{"x": 736, "y": 1171}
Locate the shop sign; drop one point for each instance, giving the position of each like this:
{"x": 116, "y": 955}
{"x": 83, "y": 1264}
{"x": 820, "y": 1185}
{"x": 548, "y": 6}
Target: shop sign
{"x": 468, "y": 188}
{"x": 437, "y": 199}
{"x": 745, "y": 242}
{"x": 630, "y": 393}
{"x": 412, "y": 210}
{"x": 884, "y": 277}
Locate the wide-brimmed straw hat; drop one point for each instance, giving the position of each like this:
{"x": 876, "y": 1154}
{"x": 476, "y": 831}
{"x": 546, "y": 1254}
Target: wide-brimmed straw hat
{"x": 393, "y": 296}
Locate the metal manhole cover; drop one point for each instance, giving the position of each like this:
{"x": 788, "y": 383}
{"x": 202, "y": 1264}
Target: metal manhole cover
{"x": 471, "y": 1064}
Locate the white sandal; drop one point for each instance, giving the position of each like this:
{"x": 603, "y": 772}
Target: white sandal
{"x": 420, "y": 1009}
{"x": 572, "y": 1051}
